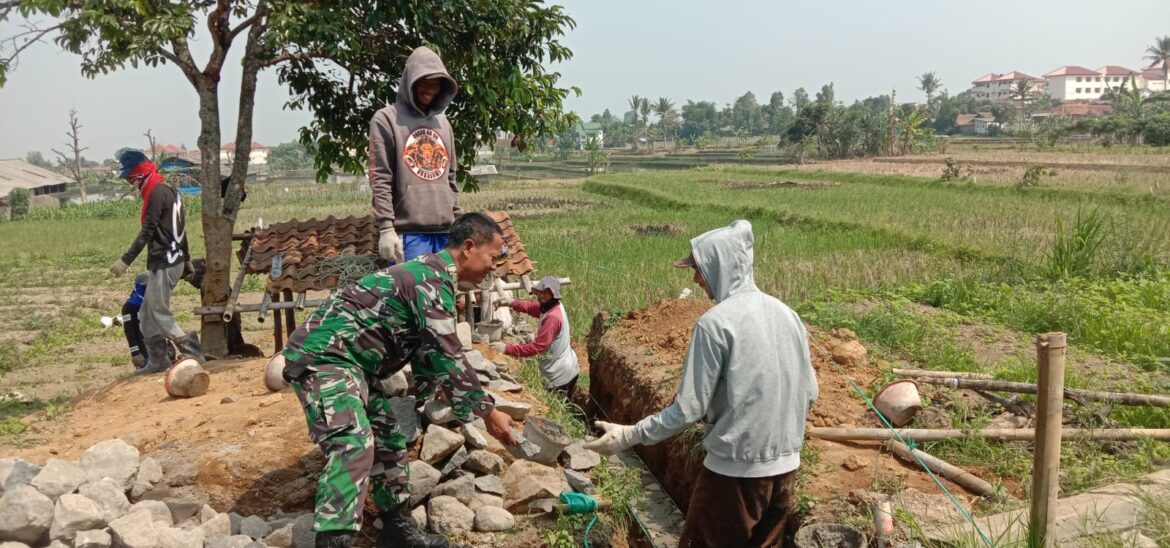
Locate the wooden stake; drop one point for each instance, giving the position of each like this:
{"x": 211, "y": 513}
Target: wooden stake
{"x": 1074, "y": 394}
{"x": 945, "y": 469}
{"x": 926, "y": 373}
{"x": 1050, "y": 351}
{"x": 1003, "y": 434}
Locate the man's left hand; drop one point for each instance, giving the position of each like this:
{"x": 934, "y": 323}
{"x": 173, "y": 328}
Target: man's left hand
{"x": 118, "y": 268}
{"x": 498, "y": 347}
{"x": 499, "y": 425}
{"x": 617, "y": 438}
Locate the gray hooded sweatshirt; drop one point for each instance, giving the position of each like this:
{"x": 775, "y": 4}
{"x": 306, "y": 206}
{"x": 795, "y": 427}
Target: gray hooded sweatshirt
{"x": 747, "y": 372}
{"x": 412, "y": 154}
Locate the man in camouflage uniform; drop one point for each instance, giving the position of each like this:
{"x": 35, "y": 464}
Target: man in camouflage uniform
{"x": 365, "y": 333}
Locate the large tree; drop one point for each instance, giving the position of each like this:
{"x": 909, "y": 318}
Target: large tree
{"x": 667, "y": 117}
{"x": 1160, "y": 52}
{"x": 929, "y": 83}
{"x": 340, "y": 59}
{"x": 635, "y": 103}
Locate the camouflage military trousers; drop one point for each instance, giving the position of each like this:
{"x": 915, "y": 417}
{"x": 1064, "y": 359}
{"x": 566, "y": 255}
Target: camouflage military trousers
{"x": 357, "y": 431}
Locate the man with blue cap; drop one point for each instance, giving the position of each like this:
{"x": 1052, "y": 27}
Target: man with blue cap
{"x": 164, "y": 236}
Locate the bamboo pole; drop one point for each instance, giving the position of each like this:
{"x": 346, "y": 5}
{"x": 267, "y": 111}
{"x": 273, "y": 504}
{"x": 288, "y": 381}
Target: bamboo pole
{"x": 926, "y": 373}
{"x": 945, "y": 469}
{"x": 1075, "y": 394}
{"x": 1050, "y": 351}
{"x": 1002, "y": 434}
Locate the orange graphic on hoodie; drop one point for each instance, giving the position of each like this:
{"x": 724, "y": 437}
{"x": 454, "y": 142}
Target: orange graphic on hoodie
{"x": 425, "y": 154}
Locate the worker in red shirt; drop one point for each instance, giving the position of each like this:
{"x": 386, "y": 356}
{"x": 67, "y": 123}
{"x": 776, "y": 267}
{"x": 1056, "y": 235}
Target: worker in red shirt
{"x": 559, "y": 366}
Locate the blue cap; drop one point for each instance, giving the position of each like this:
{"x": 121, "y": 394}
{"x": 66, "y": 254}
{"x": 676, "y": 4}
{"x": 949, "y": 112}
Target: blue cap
{"x": 130, "y": 160}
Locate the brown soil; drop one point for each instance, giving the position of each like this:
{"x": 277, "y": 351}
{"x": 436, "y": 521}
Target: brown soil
{"x": 636, "y": 364}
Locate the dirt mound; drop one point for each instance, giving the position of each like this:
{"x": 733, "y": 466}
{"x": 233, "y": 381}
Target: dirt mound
{"x": 635, "y": 365}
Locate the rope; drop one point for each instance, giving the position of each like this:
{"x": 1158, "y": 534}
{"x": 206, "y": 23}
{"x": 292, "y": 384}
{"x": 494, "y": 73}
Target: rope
{"x": 853, "y": 385}
{"x": 347, "y": 268}
{"x": 909, "y": 443}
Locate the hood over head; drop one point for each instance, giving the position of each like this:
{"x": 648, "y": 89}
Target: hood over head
{"x": 724, "y": 256}
{"x": 425, "y": 63}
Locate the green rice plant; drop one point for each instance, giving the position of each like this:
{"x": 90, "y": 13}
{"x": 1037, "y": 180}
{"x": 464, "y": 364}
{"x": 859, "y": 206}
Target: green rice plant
{"x": 1077, "y": 249}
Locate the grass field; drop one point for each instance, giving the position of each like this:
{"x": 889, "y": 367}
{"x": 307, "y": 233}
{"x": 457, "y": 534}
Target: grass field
{"x": 845, "y": 245}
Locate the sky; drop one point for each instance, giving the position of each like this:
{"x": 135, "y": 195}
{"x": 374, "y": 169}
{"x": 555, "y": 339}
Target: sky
{"x": 682, "y": 49}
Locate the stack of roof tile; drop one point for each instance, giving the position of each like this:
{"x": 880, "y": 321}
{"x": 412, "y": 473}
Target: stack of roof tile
{"x": 302, "y": 245}
{"x": 518, "y": 263}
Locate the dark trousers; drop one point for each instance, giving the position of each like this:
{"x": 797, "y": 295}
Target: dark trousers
{"x": 568, "y": 389}
{"x": 727, "y": 511}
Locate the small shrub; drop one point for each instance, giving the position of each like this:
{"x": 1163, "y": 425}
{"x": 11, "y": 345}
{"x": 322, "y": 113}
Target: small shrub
{"x": 18, "y": 203}
{"x": 951, "y": 170}
{"x": 1076, "y": 249}
{"x": 1033, "y": 175}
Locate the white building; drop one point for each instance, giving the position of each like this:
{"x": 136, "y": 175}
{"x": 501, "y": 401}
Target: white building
{"x": 258, "y": 155}
{"x": 1155, "y": 78}
{"x": 1076, "y": 83}
{"x": 1002, "y": 87}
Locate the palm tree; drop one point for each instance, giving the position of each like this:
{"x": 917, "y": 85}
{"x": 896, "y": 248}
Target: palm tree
{"x": 1160, "y": 52}
{"x": 1022, "y": 90}
{"x": 635, "y": 104}
{"x": 910, "y": 123}
{"x": 644, "y": 108}
{"x": 664, "y": 108}
{"x": 929, "y": 83}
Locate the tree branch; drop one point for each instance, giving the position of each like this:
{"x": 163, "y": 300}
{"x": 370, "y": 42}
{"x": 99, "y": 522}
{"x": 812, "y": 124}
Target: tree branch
{"x": 30, "y": 36}
{"x": 244, "y": 26}
{"x": 287, "y": 56}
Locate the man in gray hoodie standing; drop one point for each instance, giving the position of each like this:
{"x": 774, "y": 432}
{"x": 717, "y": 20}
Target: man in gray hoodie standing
{"x": 749, "y": 378}
{"x": 412, "y": 162}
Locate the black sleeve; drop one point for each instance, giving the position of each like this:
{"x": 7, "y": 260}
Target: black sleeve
{"x": 154, "y": 211}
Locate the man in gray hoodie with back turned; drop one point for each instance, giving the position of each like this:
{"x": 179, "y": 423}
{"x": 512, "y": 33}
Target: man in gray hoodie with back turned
{"x": 412, "y": 162}
{"x": 749, "y": 378}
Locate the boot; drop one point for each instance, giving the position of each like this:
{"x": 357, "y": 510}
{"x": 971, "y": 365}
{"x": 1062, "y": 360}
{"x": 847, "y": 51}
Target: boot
{"x": 189, "y": 346}
{"x": 157, "y": 350}
{"x": 334, "y": 539}
{"x": 399, "y": 530}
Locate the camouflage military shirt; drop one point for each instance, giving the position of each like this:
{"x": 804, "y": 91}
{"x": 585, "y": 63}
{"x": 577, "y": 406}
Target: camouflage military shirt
{"x": 405, "y": 313}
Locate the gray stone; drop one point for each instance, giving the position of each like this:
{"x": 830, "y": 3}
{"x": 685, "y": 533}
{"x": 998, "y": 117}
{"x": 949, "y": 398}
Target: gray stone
{"x": 279, "y": 522}
{"x": 113, "y": 459}
{"x": 182, "y": 510}
{"x": 235, "y": 520}
{"x": 149, "y": 474}
{"x": 508, "y": 377}
{"x": 475, "y": 358}
{"x": 303, "y": 535}
{"x": 463, "y": 329}
{"x": 58, "y": 477}
{"x": 579, "y": 482}
{"x": 12, "y": 544}
{"x": 484, "y": 499}
{"x": 518, "y": 411}
{"x": 490, "y": 484}
{"x": 577, "y": 457}
{"x": 58, "y": 544}
{"x": 455, "y": 462}
{"x": 524, "y": 449}
{"x": 438, "y": 412}
{"x": 94, "y": 538}
{"x": 220, "y": 524}
{"x": 420, "y": 515}
{"x": 25, "y": 514}
{"x": 462, "y": 488}
{"x": 281, "y": 537}
{"x": 408, "y": 423}
{"x": 255, "y": 527}
{"x": 483, "y": 379}
{"x": 159, "y": 511}
{"x": 439, "y": 443}
{"x": 526, "y": 481}
{"x": 472, "y": 437}
{"x": 187, "y": 537}
{"x": 485, "y": 462}
{"x": 135, "y": 530}
{"x": 504, "y": 385}
{"x": 227, "y": 541}
{"x": 206, "y": 513}
{"x": 74, "y": 513}
{"x": 15, "y": 472}
{"x": 448, "y": 516}
{"x": 394, "y": 385}
{"x": 423, "y": 479}
{"x": 490, "y": 519}
{"x": 109, "y": 496}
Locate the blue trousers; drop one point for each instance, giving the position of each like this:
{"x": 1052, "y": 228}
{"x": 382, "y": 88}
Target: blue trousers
{"x": 414, "y": 245}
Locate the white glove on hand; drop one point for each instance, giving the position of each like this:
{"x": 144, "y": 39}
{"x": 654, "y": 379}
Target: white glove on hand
{"x": 389, "y": 244}
{"x": 505, "y": 298}
{"x": 617, "y": 438}
{"x": 498, "y": 347}
{"x": 118, "y": 268}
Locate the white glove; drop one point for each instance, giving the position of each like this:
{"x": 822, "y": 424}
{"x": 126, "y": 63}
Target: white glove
{"x": 498, "y": 347}
{"x": 505, "y": 298}
{"x": 617, "y": 438}
{"x": 389, "y": 244}
{"x": 118, "y": 268}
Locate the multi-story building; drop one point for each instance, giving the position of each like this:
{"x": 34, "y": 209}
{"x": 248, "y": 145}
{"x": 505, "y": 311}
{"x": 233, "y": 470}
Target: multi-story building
{"x": 1003, "y": 87}
{"x": 1076, "y": 83}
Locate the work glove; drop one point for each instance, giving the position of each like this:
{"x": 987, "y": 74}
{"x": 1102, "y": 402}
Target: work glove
{"x": 118, "y": 268}
{"x": 498, "y": 347}
{"x": 505, "y": 298}
{"x": 389, "y": 244}
{"x": 617, "y": 438}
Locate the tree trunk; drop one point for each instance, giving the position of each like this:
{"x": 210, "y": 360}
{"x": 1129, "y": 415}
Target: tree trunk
{"x": 217, "y": 229}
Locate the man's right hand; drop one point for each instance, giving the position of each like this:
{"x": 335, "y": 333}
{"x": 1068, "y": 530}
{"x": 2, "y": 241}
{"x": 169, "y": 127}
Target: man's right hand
{"x": 390, "y": 245}
{"x": 118, "y": 268}
{"x": 499, "y": 425}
